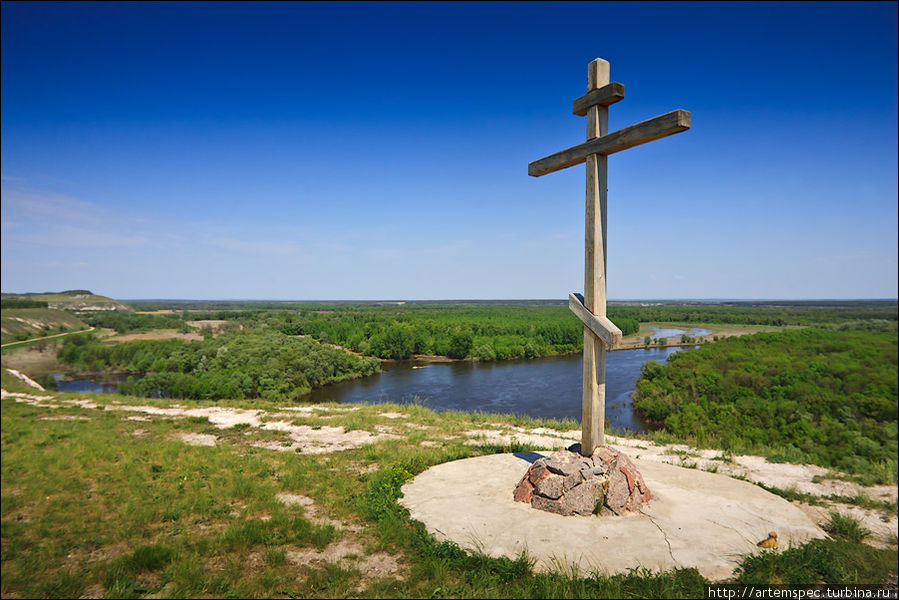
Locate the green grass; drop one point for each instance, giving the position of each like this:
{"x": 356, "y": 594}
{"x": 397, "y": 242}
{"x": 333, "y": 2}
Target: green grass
{"x": 20, "y": 324}
{"x": 847, "y": 528}
{"x": 126, "y": 508}
{"x": 836, "y": 562}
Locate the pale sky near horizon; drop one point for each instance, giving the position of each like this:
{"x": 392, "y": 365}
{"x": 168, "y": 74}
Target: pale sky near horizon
{"x": 379, "y": 151}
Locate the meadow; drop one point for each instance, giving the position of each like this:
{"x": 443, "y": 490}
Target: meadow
{"x": 120, "y": 503}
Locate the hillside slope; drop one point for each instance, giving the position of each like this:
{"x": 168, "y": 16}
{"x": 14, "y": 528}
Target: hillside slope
{"x": 24, "y": 323}
{"x": 72, "y": 300}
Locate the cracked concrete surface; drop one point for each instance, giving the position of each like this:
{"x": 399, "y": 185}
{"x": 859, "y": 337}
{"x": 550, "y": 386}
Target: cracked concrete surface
{"x": 696, "y": 519}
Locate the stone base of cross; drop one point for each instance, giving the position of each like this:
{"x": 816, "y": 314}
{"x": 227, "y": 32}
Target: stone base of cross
{"x": 600, "y": 333}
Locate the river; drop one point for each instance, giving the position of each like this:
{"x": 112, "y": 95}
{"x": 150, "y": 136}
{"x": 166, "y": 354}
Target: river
{"x": 544, "y": 387}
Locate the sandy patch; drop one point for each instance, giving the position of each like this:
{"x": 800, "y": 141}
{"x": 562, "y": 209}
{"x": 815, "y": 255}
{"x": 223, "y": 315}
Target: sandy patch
{"x": 318, "y": 439}
{"x": 313, "y": 512}
{"x": 208, "y": 323}
{"x": 393, "y": 415}
{"x": 155, "y": 335}
{"x": 302, "y": 438}
{"x": 543, "y": 438}
{"x": 348, "y": 553}
{"x": 32, "y": 360}
{"x": 32, "y": 399}
{"x": 197, "y": 439}
{"x": 64, "y": 418}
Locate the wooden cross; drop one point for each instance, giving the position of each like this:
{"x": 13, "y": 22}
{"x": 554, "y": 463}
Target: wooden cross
{"x": 599, "y": 331}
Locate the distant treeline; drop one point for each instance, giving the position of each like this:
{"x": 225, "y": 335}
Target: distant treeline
{"x": 488, "y": 331}
{"x": 266, "y": 365}
{"x": 18, "y": 303}
{"x": 809, "y": 395}
{"x": 796, "y": 313}
{"x": 123, "y": 322}
{"x": 482, "y": 332}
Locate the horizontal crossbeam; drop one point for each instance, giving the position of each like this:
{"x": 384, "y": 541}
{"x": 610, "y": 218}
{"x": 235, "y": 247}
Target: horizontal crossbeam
{"x": 645, "y": 131}
{"x": 607, "y": 331}
{"x": 604, "y": 96}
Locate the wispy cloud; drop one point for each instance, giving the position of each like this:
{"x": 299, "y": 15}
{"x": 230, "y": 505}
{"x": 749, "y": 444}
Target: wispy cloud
{"x": 26, "y": 204}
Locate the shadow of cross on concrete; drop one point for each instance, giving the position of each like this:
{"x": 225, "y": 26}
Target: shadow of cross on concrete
{"x": 599, "y": 331}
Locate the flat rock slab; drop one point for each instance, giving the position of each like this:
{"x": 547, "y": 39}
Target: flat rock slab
{"x": 695, "y": 519}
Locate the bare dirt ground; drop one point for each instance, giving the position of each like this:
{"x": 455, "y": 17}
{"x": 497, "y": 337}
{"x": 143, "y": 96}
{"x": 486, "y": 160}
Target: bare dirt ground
{"x": 297, "y": 438}
{"x": 214, "y": 324}
{"x": 284, "y": 434}
{"x": 158, "y": 334}
{"x": 33, "y": 360}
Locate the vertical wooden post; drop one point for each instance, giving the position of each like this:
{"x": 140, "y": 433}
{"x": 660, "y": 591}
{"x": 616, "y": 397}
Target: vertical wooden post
{"x": 594, "y": 381}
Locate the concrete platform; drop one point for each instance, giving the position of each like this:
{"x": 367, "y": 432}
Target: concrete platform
{"x": 696, "y": 519}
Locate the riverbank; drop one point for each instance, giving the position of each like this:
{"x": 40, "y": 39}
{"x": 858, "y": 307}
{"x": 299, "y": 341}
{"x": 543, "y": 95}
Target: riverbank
{"x": 256, "y": 499}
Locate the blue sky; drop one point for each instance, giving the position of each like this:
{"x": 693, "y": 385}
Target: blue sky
{"x": 380, "y": 151}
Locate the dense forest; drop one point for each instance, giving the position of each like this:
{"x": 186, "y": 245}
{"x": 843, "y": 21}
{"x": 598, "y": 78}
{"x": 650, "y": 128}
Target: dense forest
{"x": 756, "y": 313}
{"x": 238, "y": 365}
{"x": 123, "y": 322}
{"x": 824, "y": 397}
{"x": 485, "y": 333}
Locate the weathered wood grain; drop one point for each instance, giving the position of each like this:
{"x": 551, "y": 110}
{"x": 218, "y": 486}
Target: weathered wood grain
{"x": 604, "y": 96}
{"x": 593, "y": 398}
{"x": 670, "y": 123}
{"x": 604, "y": 328}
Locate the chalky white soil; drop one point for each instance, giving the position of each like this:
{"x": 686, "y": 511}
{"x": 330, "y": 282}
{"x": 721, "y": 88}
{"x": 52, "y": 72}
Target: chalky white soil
{"x": 300, "y": 438}
{"x": 325, "y": 439}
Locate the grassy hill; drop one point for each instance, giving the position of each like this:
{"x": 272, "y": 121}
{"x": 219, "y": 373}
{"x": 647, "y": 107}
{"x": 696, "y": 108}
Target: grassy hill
{"x": 71, "y": 300}
{"x": 97, "y": 503}
{"x": 24, "y": 323}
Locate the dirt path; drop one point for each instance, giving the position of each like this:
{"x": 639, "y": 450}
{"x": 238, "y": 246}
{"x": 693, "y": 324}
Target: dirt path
{"x": 46, "y": 337}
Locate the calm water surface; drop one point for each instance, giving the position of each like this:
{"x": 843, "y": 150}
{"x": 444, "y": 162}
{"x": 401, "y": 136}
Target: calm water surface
{"x": 662, "y": 332}
{"x": 108, "y": 385}
{"x": 545, "y": 387}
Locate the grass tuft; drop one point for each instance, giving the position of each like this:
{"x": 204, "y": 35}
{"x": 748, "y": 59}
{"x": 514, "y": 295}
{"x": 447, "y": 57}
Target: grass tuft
{"x": 846, "y": 527}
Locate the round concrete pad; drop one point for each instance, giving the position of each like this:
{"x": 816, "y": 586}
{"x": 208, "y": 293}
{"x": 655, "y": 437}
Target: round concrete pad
{"x": 696, "y": 519}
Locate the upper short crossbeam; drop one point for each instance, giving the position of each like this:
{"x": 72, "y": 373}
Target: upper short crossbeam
{"x": 604, "y": 96}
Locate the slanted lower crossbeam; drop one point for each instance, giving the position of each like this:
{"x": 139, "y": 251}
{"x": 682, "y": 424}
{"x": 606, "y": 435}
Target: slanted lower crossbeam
{"x": 641, "y": 133}
{"x": 607, "y": 331}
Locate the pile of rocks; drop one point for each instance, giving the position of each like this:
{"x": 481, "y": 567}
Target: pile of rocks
{"x": 567, "y": 483}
